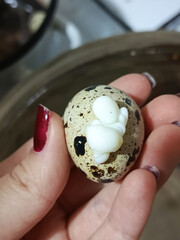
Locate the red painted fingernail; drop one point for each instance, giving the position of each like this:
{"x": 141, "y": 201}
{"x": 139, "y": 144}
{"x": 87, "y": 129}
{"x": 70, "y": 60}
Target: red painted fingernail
{"x": 154, "y": 170}
{"x": 41, "y": 127}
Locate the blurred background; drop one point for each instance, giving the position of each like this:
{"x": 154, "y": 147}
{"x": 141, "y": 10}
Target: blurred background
{"x": 48, "y": 45}
{"x": 34, "y": 32}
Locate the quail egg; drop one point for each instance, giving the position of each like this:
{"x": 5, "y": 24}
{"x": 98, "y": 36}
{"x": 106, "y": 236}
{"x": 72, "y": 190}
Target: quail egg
{"x": 104, "y": 132}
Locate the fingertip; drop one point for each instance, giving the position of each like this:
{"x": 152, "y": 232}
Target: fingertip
{"x": 161, "y": 149}
{"x": 132, "y": 205}
{"x": 141, "y": 181}
{"x": 135, "y": 85}
{"x": 150, "y": 79}
{"x": 137, "y": 192}
{"x": 161, "y": 110}
{"x": 55, "y": 155}
{"x": 32, "y": 186}
{"x": 154, "y": 170}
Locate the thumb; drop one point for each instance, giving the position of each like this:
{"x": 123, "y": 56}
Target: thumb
{"x": 29, "y": 191}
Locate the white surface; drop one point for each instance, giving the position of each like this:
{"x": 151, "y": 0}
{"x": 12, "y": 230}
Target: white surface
{"x": 105, "y": 134}
{"x": 144, "y": 15}
{"x": 106, "y": 110}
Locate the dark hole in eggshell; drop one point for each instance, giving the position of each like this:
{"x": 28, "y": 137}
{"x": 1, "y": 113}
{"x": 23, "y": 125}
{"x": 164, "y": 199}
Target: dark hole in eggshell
{"x": 79, "y": 145}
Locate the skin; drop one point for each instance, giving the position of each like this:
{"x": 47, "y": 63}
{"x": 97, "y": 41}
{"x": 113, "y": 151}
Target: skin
{"x": 43, "y": 196}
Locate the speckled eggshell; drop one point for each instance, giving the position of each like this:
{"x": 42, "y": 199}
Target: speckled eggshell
{"x": 78, "y": 115}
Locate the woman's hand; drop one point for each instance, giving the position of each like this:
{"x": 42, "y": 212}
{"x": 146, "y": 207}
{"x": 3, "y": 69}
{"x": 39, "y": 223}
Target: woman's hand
{"x": 44, "y": 196}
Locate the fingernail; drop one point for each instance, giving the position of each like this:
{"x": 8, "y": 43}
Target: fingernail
{"x": 177, "y": 123}
{"x": 41, "y": 127}
{"x": 153, "y": 170}
{"x": 150, "y": 78}
{"x": 178, "y": 94}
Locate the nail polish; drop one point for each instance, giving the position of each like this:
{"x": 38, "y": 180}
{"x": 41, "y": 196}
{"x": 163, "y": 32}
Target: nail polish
{"x": 150, "y": 78}
{"x": 177, "y": 123}
{"x": 154, "y": 170}
{"x": 41, "y": 128}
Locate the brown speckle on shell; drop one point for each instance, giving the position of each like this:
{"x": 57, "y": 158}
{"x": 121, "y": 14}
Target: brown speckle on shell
{"x": 133, "y": 156}
{"x": 78, "y": 118}
{"x": 128, "y": 101}
{"x": 137, "y": 115}
{"x": 90, "y": 88}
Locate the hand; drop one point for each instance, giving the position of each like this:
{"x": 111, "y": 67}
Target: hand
{"x": 44, "y": 196}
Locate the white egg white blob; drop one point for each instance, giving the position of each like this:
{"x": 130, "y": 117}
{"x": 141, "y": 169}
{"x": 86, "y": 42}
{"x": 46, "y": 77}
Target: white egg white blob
{"x": 103, "y": 139}
{"x": 106, "y": 110}
{"x": 105, "y": 134}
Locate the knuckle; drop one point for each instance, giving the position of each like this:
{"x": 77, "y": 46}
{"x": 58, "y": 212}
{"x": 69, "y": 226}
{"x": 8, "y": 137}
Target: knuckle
{"x": 26, "y": 183}
{"x": 117, "y": 230}
{"x": 19, "y": 177}
{"x": 101, "y": 211}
